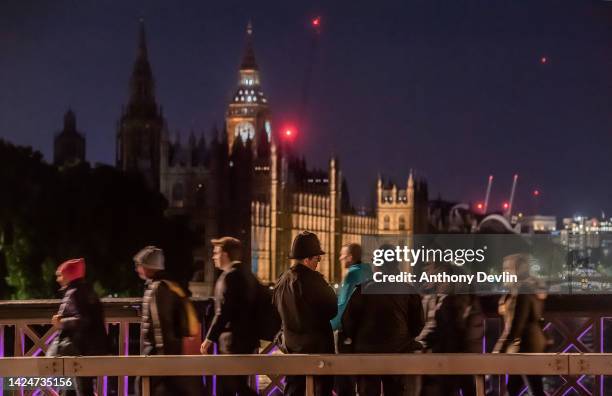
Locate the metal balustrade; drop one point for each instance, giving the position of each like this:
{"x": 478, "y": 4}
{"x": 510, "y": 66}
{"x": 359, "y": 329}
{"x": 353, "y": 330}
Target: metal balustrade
{"x": 580, "y": 324}
{"x": 479, "y": 365}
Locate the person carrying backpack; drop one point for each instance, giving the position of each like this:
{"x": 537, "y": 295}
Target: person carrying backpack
{"x": 166, "y": 319}
{"x": 234, "y": 327}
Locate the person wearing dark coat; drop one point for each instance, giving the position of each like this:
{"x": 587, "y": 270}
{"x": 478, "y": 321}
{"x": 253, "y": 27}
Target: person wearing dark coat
{"x": 454, "y": 323}
{"x": 160, "y": 330}
{"x": 522, "y": 311}
{"x": 232, "y": 328}
{"x": 357, "y": 273}
{"x": 306, "y": 304}
{"x": 384, "y": 318}
{"x": 80, "y": 320}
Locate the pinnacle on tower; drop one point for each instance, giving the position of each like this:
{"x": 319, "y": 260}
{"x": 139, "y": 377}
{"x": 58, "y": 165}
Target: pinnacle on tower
{"x": 248, "y": 60}
{"x": 142, "y": 84}
{"x": 70, "y": 121}
{"x": 142, "y": 41}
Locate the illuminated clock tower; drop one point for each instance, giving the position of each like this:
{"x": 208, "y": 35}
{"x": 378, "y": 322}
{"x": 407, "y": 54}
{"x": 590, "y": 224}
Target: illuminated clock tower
{"x": 247, "y": 116}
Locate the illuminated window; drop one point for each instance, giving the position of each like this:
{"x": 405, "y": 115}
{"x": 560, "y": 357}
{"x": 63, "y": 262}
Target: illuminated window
{"x": 402, "y": 223}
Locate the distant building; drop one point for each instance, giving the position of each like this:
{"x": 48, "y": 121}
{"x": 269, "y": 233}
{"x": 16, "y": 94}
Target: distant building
{"x": 140, "y": 127}
{"x": 537, "y": 224}
{"x": 246, "y": 183}
{"x": 69, "y": 143}
{"x": 589, "y": 251}
{"x": 585, "y": 233}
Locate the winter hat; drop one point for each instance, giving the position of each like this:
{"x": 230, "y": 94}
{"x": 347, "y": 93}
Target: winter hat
{"x": 150, "y": 257}
{"x": 306, "y": 244}
{"x": 72, "y": 269}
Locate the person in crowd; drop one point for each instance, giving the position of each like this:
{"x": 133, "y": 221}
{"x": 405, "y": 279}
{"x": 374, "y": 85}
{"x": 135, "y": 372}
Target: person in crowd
{"x": 522, "y": 309}
{"x": 357, "y": 273}
{"x": 306, "y": 304}
{"x": 453, "y": 324}
{"x": 161, "y": 332}
{"x": 384, "y": 318}
{"x": 232, "y": 325}
{"x": 79, "y": 320}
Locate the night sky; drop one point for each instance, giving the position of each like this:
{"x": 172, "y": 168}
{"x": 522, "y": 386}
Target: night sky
{"x": 456, "y": 90}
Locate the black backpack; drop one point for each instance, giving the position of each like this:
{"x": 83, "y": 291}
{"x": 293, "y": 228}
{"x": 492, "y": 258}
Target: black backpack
{"x": 267, "y": 318}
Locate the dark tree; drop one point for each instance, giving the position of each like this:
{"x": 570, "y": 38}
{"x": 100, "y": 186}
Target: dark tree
{"x": 105, "y": 215}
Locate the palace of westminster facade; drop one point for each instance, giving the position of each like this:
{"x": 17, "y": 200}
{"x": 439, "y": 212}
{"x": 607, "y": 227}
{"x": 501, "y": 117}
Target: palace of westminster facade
{"x": 246, "y": 182}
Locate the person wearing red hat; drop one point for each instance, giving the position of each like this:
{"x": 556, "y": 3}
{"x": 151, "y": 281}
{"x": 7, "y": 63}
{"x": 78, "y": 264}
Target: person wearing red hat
{"x": 79, "y": 320}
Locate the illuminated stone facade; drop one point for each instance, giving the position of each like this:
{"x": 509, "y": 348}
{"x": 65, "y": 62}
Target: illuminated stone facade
{"x": 245, "y": 183}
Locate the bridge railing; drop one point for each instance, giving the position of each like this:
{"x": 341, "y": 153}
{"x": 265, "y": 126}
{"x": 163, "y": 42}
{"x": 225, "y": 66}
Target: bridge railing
{"x": 478, "y": 365}
{"x": 580, "y": 324}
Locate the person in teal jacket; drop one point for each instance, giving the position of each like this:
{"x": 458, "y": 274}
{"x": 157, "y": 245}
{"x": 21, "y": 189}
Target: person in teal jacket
{"x": 358, "y": 273}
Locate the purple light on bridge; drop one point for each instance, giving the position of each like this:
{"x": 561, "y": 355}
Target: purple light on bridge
{"x": 51, "y": 338}
{"x": 1, "y": 356}
{"x": 602, "y": 350}
{"x": 584, "y": 332}
{"x": 569, "y": 347}
{"x": 582, "y": 386}
{"x": 214, "y": 380}
{"x": 571, "y": 388}
{"x": 126, "y": 341}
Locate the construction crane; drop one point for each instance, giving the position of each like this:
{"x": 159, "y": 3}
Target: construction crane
{"x": 487, "y": 195}
{"x": 511, "y": 201}
{"x": 315, "y": 24}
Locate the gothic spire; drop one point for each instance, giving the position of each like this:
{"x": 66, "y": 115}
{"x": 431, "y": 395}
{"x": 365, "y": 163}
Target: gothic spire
{"x": 142, "y": 84}
{"x": 142, "y": 41}
{"x": 248, "y": 59}
{"x": 70, "y": 121}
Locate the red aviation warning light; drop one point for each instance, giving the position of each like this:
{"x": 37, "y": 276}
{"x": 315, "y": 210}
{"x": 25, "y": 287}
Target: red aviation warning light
{"x": 480, "y": 206}
{"x": 288, "y": 133}
{"x": 536, "y": 193}
{"x": 506, "y": 205}
{"x": 543, "y": 60}
{"x": 316, "y": 21}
